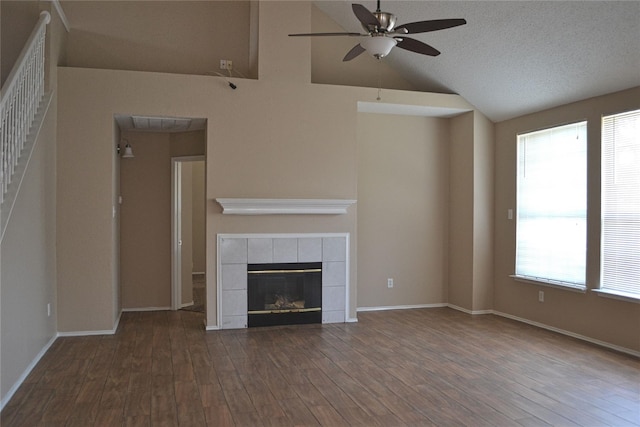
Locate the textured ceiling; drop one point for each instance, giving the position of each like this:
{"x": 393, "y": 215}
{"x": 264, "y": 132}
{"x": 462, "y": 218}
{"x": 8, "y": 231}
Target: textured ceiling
{"x": 517, "y": 57}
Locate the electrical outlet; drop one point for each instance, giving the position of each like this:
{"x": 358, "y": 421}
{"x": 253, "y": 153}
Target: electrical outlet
{"x": 229, "y": 64}
{"x": 540, "y": 296}
{"x": 226, "y": 64}
{"x": 389, "y": 283}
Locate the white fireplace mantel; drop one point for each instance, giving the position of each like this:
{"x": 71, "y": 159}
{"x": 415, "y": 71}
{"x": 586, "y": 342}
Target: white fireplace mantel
{"x": 237, "y": 206}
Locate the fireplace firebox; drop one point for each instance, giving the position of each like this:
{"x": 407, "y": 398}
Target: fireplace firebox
{"x": 284, "y": 294}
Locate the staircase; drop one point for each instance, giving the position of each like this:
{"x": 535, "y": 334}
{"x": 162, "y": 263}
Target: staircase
{"x": 23, "y": 103}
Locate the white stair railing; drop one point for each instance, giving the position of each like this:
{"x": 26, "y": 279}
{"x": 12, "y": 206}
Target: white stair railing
{"x": 21, "y": 95}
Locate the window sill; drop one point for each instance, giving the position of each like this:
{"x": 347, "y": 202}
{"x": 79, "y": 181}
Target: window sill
{"x": 550, "y": 283}
{"x": 617, "y": 295}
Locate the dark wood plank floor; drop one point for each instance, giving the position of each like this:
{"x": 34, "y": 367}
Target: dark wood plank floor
{"x": 393, "y": 368}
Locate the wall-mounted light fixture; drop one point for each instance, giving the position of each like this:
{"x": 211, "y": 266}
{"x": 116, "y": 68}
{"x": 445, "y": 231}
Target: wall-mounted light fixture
{"x": 128, "y": 151}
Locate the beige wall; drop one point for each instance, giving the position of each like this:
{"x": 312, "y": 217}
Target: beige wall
{"x": 301, "y": 142}
{"x": 461, "y": 253}
{"x": 171, "y": 36}
{"x": 471, "y": 213}
{"x": 187, "y": 37}
{"x": 327, "y": 66}
{"x": 587, "y": 314}
{"x": 277, "y": 62}
{"x": 85, "y": 226}
{"x": 403, "y": 165}
{"x": 277, "y": 137}
{"x": 145, "y": 238}
{"x": 483, "y": 211}
{"x": 199, "y": 217}
{"x": 17, "y": 20}
{"x": 145, "y": 214}
{"x": 28, "y": 251}
{"x": 28, "y": 263}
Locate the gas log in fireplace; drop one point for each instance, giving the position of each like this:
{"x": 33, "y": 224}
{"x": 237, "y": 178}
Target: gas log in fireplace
{"x": 284, "y": 294}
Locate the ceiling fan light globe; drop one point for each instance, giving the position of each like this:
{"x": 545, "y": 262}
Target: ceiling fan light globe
{"x": 380, "y": 46}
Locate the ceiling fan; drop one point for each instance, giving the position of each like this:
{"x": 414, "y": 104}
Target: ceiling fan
{"x": 382, "y": 34}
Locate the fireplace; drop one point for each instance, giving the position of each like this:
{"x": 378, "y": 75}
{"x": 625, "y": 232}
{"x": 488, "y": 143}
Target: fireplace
{"x": 284, "y": 293}
{"x": 237, "y": 252}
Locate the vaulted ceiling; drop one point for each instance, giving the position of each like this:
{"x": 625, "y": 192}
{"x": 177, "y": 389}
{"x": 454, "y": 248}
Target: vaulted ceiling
{"x": 516, "y": 57}
{"x": 511, "y": 58}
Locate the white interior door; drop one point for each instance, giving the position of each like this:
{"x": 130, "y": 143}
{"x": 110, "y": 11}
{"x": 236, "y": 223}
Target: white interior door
{"x": 182, "y": 236}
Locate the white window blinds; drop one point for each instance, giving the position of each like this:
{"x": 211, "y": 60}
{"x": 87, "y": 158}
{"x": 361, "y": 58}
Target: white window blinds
{"x": 552, "y": 205}
{"x": 620, "y": 243}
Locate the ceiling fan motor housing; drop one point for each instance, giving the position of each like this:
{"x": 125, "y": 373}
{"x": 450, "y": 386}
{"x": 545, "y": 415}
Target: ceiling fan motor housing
{"x": 387, "y": 22}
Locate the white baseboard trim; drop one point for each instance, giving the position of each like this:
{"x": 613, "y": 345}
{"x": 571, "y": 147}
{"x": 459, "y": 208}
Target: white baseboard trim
{"x": 351, "y": 320}
{"x": 146, "y": 309}
{"x": 512, "y": 317}
{"x": 35, "y": 361}
{"x": 569, "y": 333}
{"x": 86, "y": 333}
{"x": 212, "y": 328}
{"x": 98, "y": 332}
{"x": 465, "y": 310}
{"x": 400, "y": 307}
{"x": 197, "y": 272}
{"x": 189, "y": 304}
{"x": 7, "y": 397}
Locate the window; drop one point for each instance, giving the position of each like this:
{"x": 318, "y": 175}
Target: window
{"x": 620, "y": 243}
{"x": 551, "y": 228}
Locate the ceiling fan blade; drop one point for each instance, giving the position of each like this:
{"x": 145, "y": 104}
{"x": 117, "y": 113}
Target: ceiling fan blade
{"x": 355, "y": 51}
{"x": 416, "y": 46}
{"x": 365, "y": 16}
{"x": 433, "y": 25}
{"x": 327, "y": 34}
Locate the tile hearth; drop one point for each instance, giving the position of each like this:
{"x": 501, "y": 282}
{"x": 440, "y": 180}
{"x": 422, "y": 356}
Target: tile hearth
{"x": 235, "y": 251}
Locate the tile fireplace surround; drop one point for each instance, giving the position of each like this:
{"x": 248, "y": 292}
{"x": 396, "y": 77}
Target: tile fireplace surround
{"x": 235, "y": 251}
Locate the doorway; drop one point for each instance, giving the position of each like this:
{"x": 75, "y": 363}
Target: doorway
{"x": 188, "y": 260}
{"x": 145, "y": 206}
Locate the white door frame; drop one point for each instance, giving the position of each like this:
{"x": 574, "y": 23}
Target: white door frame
{"x": 176, "y": 229}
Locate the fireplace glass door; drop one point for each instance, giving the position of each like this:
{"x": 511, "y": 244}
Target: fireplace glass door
{"x": 286, "y": 293}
